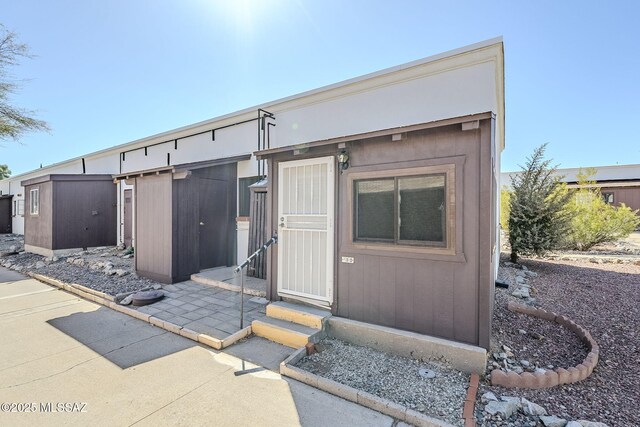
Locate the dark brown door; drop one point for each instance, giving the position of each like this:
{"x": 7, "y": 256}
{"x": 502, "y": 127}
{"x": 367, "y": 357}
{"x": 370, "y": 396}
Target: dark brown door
{"x": 213, "y": 223}
{"x": 5, "y": 215}
{"x": 128, "y": 217}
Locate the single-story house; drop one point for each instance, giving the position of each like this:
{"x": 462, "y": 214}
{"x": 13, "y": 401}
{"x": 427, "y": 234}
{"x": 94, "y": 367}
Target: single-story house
{"x": 383, "y": 190}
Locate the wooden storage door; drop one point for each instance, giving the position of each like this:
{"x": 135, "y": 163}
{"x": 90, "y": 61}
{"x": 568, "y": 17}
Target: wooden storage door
{"x": 213, "y": 223}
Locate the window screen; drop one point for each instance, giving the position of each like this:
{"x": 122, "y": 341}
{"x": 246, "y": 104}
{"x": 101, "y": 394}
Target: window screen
{"x": 401, "y": 210}
{"x": 374, "y": 207}
{"x": 421, "y": 205}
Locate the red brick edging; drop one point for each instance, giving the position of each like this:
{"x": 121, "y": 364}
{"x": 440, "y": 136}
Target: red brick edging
{"x": 468, "y": 411}
{"x": 558, "y": 376}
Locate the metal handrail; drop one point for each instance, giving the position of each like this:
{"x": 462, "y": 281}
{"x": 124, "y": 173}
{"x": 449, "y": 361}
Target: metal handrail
{"x": 239, "y": 268}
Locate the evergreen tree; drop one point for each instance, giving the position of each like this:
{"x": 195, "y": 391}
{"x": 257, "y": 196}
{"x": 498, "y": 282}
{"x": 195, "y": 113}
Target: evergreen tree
{"x": 537, "y": 220}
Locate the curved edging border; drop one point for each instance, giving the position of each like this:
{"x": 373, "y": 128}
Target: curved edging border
{"x": 108, "y": 301}
{"x": 559, "y": 376}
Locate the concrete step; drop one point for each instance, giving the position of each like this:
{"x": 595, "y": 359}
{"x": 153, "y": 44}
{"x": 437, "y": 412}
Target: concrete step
{"x": 297, "y": 313}
{"x": 283, "y": 332}
{"x": 252, "y": 286}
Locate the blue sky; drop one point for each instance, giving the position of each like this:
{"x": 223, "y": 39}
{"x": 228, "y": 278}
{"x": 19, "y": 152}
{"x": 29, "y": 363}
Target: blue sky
{"x": 113, "y": 71}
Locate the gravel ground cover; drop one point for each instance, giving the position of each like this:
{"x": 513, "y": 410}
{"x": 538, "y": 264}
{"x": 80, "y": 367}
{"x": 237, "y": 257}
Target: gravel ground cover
{"x": 11, "y": 243}
{"x": 392, "y": 377}
{"x": 604, "y": 298}
{"x": 104, "y": 269}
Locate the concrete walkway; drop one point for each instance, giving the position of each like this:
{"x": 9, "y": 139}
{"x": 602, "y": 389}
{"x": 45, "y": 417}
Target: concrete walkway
{"x": 119, "y": 371}
{"x": 205, "y": 309}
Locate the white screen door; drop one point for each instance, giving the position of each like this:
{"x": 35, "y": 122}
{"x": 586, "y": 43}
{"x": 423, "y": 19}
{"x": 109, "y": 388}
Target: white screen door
{"x": 305, "y": 231}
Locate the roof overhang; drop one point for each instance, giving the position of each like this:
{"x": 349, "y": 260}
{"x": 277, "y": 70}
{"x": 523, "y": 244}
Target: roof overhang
{"x": 385, "y": 132}
{"x": 181, "y": 168}
{"x": 66, "y": 177}
{"x": 605, "y": 184}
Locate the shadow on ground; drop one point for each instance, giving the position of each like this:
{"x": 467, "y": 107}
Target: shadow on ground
{"x": 125, "y": 342}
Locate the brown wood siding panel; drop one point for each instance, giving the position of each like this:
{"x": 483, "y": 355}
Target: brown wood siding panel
{"x": 485, "y": 237}
{"x": 356, "y": 290}
{"x": 629, "y": 196}
{"x": 85, "y": 214}
{"x": 405, "y": 297}
{"x": 424, "y": 319}
{"x": 387, "y": 291}
{"x": 153, "y": 229}
{"x": 38, "y": 228}
{"x": 372, "y": 291}
{"x": 465, "y": 280}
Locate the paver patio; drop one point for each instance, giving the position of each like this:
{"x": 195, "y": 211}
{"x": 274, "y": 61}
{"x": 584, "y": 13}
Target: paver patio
{"x": 205, "y": 309}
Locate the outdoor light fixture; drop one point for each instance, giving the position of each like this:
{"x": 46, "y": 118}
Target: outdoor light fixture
{"x": 343, "y": 160}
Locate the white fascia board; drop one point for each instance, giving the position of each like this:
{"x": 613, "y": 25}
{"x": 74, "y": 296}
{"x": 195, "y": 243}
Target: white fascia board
{"x": 486, "y": 51}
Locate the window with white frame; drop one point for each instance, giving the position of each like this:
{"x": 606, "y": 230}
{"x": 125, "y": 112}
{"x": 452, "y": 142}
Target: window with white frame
{"x": 34, "y": 201}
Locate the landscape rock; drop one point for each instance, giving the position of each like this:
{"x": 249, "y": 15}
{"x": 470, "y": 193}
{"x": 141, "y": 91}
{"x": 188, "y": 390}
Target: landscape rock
{"x": 489, "y": 396}
{"x": 521, "y": 292}
{"x": 553, "y": 421}
{"x": 40, "y": 264}
{"x": 126, "y": 300}
{"x": 585, "y": 423}
{"x": 531, "y": 408}
{"x": 504, "y": 409}
{"x": 120, "y": 272}
{"x": 573, "y": 424}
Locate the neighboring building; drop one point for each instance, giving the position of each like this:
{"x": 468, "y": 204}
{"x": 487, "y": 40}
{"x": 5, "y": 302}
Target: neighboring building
{"x": 66, "y": 213}
{"x": 618, "y": 183}
{"x": 353, "y": 169}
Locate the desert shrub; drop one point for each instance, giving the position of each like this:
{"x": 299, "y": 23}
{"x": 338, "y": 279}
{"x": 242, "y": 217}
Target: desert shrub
{"x": 537, "y": 219}
{"x": 595, "y": 221}
{"x": 505, "y": 200}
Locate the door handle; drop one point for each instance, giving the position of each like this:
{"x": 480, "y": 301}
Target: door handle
{"x": 201, "y": 223}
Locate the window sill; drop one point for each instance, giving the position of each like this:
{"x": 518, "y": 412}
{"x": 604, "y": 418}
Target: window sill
{"x": 401, "y": 251}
